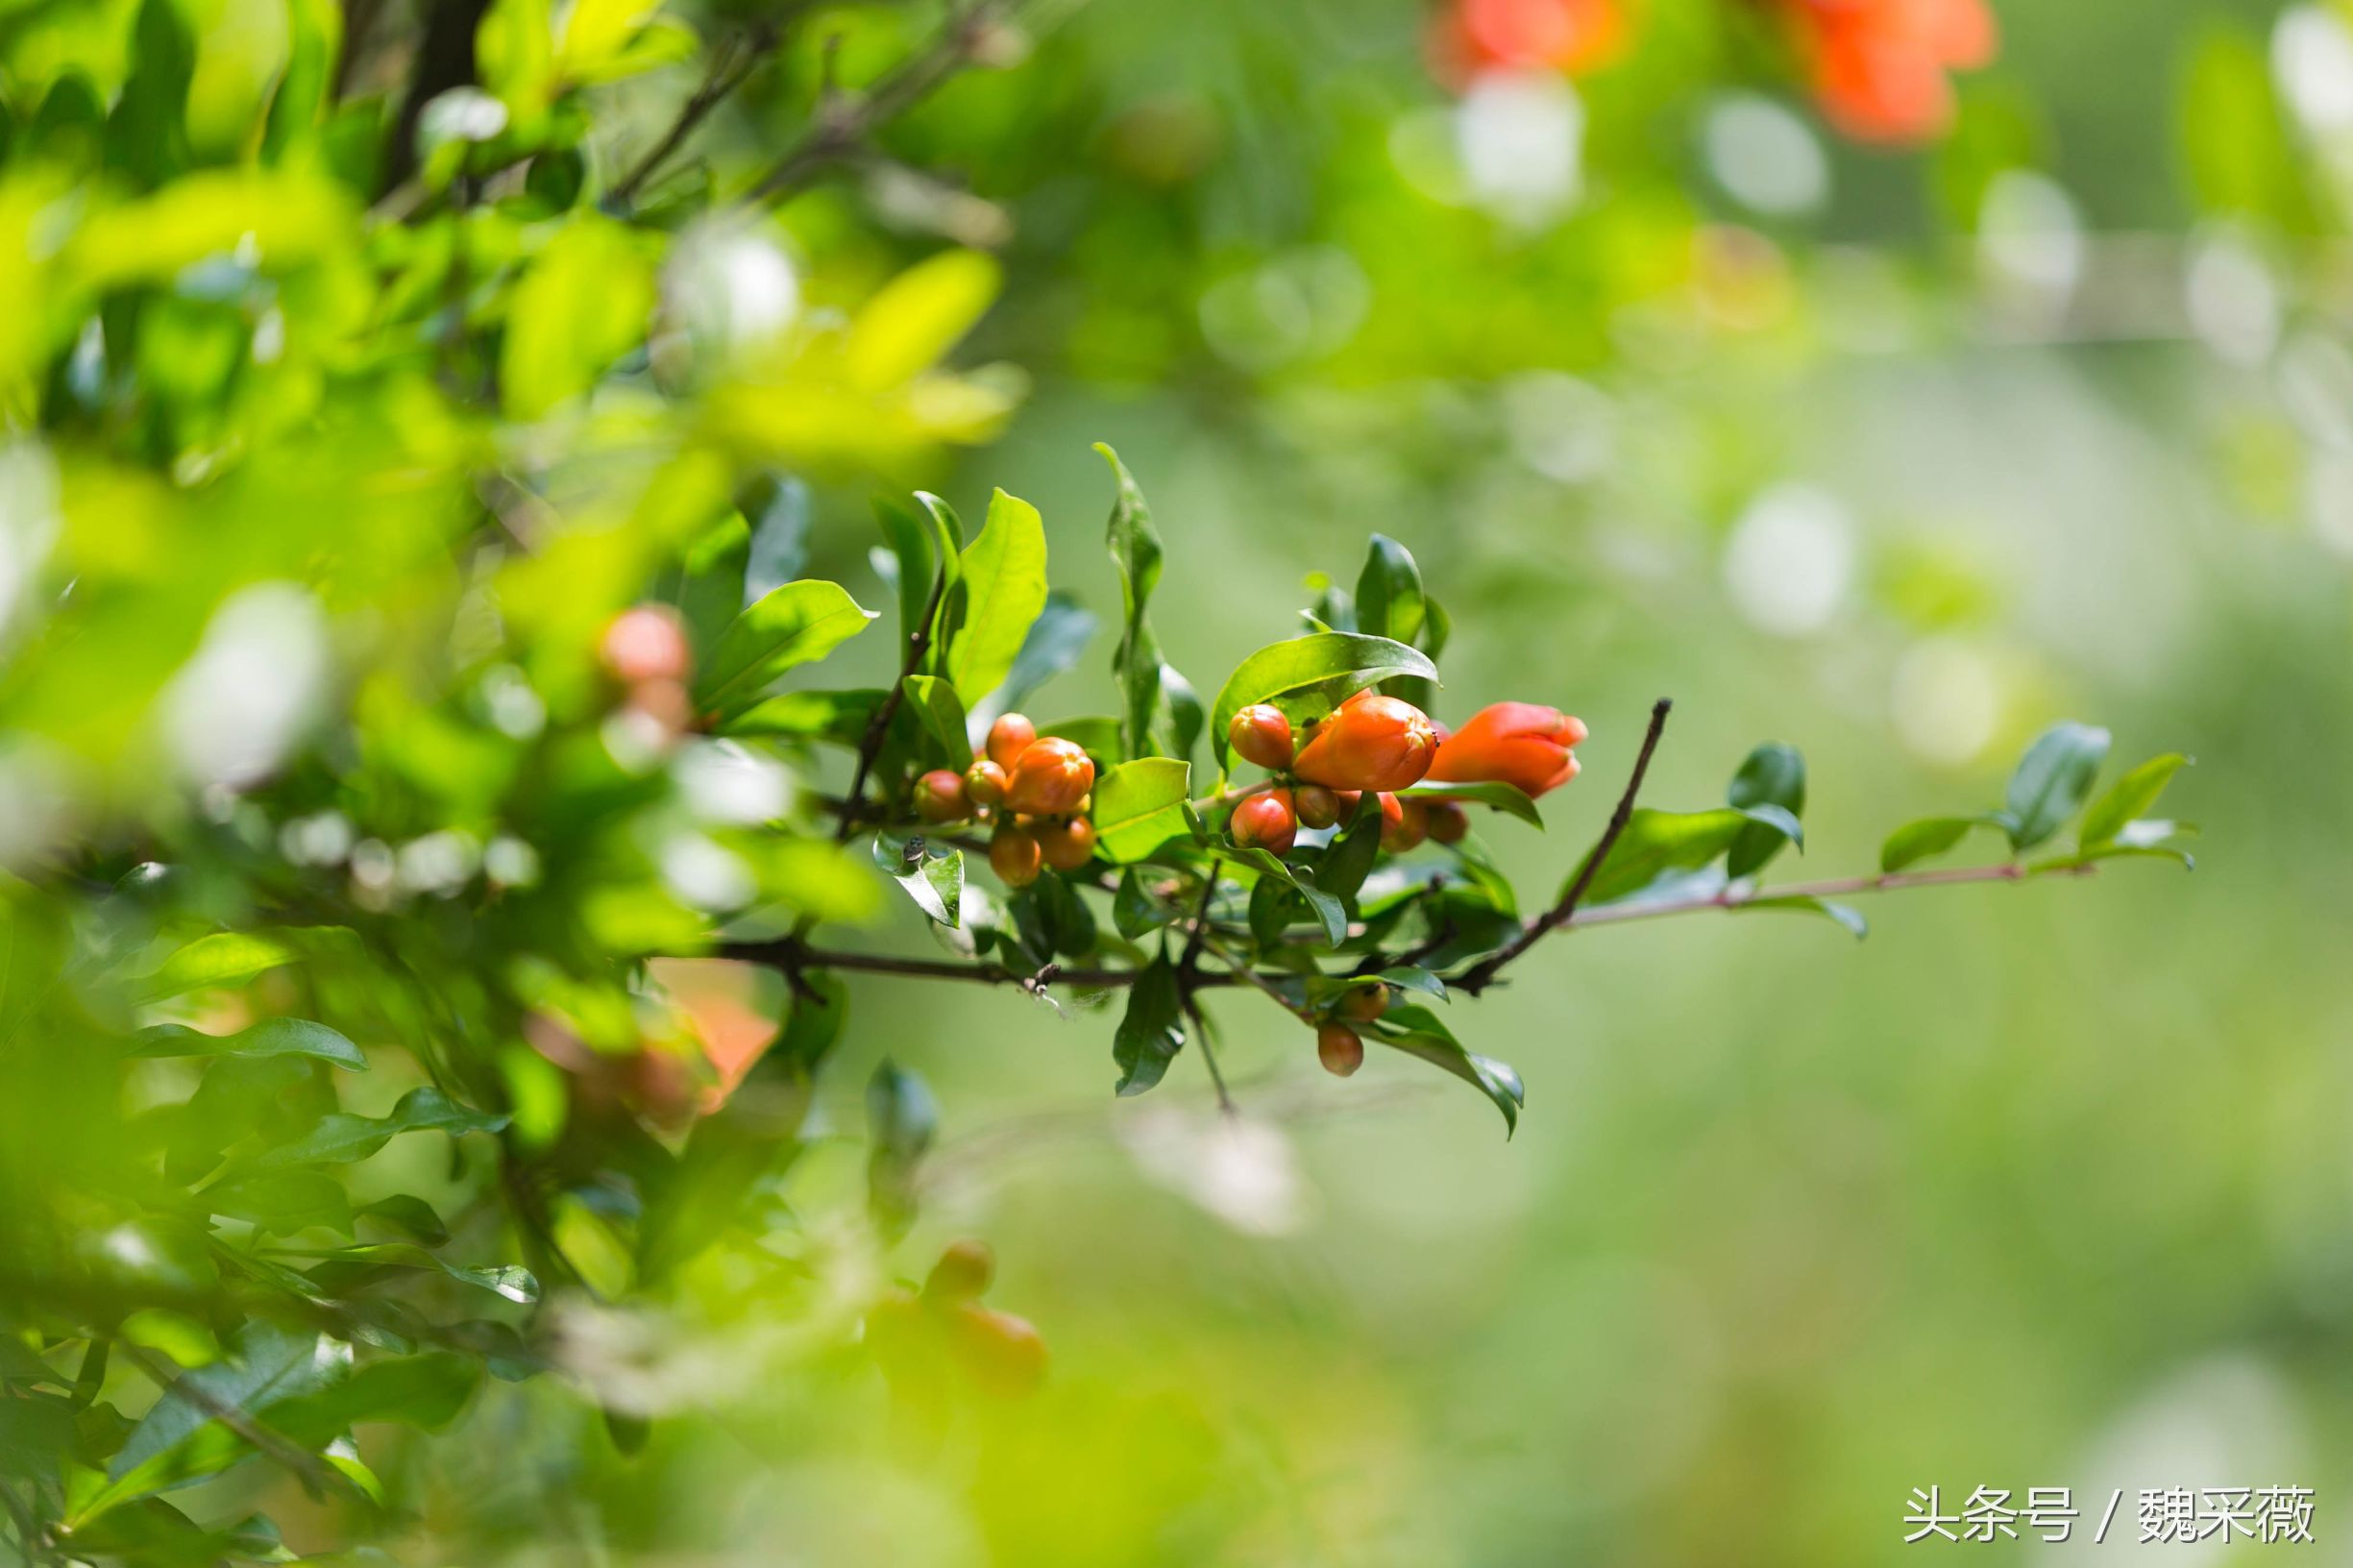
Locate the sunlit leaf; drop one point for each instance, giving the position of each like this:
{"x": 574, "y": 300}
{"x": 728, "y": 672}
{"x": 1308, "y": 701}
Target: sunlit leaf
{"x": 799, "y": 622}
{"x": 271, "y": 1036}
{"x": 2128, "y": 798}
{"x": 1309, "y": 676}
{"x": 1003, "y": 590}
{"x": 1139, "y": 806}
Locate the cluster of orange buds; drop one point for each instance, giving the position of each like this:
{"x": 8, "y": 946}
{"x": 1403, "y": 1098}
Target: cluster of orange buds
{"x": 910, "y": 1334}
{"x": 1882, "y": 67}
{"x": 1386, "y": 744}
{"x": 1036, "y": 790}
{"x": 645, "y": 651}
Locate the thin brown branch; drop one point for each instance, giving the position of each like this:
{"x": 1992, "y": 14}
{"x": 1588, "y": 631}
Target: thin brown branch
{"x": 1836, "y": 887}
{"x": 919, "y": 643}
{"x": 791, "y": 957}
{"x": 731, "y": 65}
{"x": 844, "y": 121}
{"x": 315, "y": 1473}
{"x": 1481, "y": 974}
{"x": 1208, "y": 1052}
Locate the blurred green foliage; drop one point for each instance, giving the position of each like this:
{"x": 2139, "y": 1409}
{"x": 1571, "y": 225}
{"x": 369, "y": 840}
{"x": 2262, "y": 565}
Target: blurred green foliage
{"x": 385, "y": 1178}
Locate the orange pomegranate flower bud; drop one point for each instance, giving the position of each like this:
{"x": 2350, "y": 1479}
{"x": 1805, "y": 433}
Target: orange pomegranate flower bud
{"x": 1261, "y": 735}
{"x": 1340, "y": 1048}
{"x": 1049, "y": 778}
{"x": 1002, "y": 1354}
{"x": 1265, "y": 821}
{"x": 1015, "y": 855}
{"x": 1363, "y": 1003}
{"x": 983, "y": 783}
{"x": 1066, "y": 846}
{"x": 1525, "y": 745}
{"x": 1371, "y": 742}
{"x": 1449, "y": 823}
{"x": 962, "y": 1273}
{"x": 645, "y": 642}
{"x": 940, "y": 797}
{"x": 1316, "y": 806}
{"x": 1008, "y": 738}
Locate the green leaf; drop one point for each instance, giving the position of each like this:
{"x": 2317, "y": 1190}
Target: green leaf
{"x": 840, "y": 718}
{"x": 1056, "y": 639}
{"x": 268, "y": 1364}
{"x": 583, "y": 305}
{"x": 408, "y": 1213}
{"x": 1307, "y": 677}
{"x": 1390, "y": 599}
{"x": 1507, "y": 798}
{"x": 342, "y": 1138}
{"x": 1135, "y": 912}
{"x": 1414, "y": 977}
{"x": 1186, "y": 716}
{"x": 1136, "y": 664}
{"x": 1139, "y": 806}
{"x": 940, "y": 713}
{"x": 1348, "y": 858}
{"x": 901, "y": 1121}
{"x": 777, "y": 516}
{"x": 934, "y": 881}
{"x": 1003, "y": 591}
{"x": 1808, "y": 904}
{"x": 283, "y": 1202}
{"x": 1772, "y": 774}
{"x": 799, "y": 622}
{"x": 2052, "y": 781}
{"x": 1152, "y": 1030}
{"x": 917, "y": 542}
{"x": 2129, "y": 798}
{"x": 271, "y": 1036}
{"x": 428, "y": 1391}
{"x": 1658, "y": 843}
{"x": 345, "y": 1264}
{"x": 1329, "y": 912}
{"x": 917, "y": 317}
{"x": 225, "y": 958}
{"x": 1926, "y": 839}
{"x": 1417, "y": 1031}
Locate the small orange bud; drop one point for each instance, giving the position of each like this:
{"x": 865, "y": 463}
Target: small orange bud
{"x": 1050, "y": 777}
{"x": 645, "y": 642}
{"x": 1404, "y": 823}
{"x": 1525, "y": 745}
{"x": 1265, "y": 819}
{"x": 1370, "y": 742}
{"x": 940, "y": 797}
{"x": 1008, "y": 738}
{"x": 1000, "y": 1352}
{"x": 1340, "y": 1048}
{"x": 962, "y": 1273}
{"x": 1316, "y": 806}
{"x": 1449, "y": 823}
{"x": 1260, "y": 734}
{"x": 983, "y": 783}
{"x": 1363, "y": 1003}
{"x": 1067, "y": 844}
{"x": 1015, "y": 855}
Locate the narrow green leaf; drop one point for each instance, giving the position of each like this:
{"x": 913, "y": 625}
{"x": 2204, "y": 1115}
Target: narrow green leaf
{"x": 1348, "y": 858}
{"x": 225, "y": 958}
{"x": 1417, "y": 1031}
{"x": 2052, "y": 781}
{"x": 940, "y": 713}
{"x": 839, "y": 717}
{"x": 799, "y": 622}
{"x": 1808, "y": 904}
{"x": 1329, "y": 911}
{"x": 1772, "y": 774}
{"x": 1152, "y": 1030}
{"x": 1657, "y": 844}
{"x": 342, "y": 1138}
{"x": 1389, "y": 601}
{"x": 1139, "y": 806}
{"x": 1003, "y": 590}
{"x": 1307, "y": 677}
{"x": 2129, "y": 798}
{"x": 1507, "y": 798}
{"x": 1135, "y": 912}
{"x": 339, "y": 1269}
{"x": 268, "y": 1364}
{"x": 271, "y": 1036}
{"x": 1135, "y": 664}
{"x": 1924, "y": 840}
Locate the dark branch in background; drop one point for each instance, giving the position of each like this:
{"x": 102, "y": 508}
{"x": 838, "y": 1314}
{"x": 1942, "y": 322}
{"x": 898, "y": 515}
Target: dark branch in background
{"x": 445, "y": 60}
{"x": 919, "y": 641}
{"x": 737, "y": 58}
{"x": 789, "y": 955}
{"x": 844, "y": 120}
{"x": 1479, "y": 975}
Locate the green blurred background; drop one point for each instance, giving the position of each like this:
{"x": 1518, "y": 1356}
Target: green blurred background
{"x": 1894, "y": 457}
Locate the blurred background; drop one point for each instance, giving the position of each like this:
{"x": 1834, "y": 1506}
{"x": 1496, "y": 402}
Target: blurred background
{"x": 1674, "y": 387}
